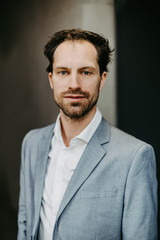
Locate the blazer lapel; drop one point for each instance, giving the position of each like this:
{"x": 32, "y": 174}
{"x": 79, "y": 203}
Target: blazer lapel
{"x": 91, "y": 157}
{"x": 41, "y": 167}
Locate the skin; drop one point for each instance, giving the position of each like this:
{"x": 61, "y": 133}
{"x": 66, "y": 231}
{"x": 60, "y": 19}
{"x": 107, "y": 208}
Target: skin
{"x": 76, "y": 83}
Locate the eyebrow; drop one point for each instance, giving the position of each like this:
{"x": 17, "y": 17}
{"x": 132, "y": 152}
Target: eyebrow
{"x": 59, "y": 67}
{"x": 87, "y": 67}
{"x": 82, "y": 68}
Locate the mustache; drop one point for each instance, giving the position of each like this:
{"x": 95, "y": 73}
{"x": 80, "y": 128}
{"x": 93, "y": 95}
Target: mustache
{"x": 75, "y": 91}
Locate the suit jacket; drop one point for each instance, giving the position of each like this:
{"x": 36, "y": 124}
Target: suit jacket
{"x": 112, "y": 194}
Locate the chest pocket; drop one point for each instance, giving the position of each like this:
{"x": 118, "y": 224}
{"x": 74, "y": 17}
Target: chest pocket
{"x": 98, "y": 193}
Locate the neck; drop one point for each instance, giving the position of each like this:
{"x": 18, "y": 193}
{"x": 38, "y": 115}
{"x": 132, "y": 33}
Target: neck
{"x": 70, "y": 128}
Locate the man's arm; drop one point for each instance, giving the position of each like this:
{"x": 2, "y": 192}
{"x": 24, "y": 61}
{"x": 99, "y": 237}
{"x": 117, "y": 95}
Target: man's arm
{"x": 140, "y": 202}
{"x": 22, "y": 208}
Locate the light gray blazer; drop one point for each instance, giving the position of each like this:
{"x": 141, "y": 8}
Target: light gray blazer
{"x": 112, "y": 194}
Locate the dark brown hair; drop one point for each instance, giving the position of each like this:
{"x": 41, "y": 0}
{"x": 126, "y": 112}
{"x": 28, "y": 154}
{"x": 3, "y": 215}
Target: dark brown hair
{"x": 100, "y": 43}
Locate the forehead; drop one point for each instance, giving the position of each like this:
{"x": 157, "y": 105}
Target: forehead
{"x": 75, "y": 51}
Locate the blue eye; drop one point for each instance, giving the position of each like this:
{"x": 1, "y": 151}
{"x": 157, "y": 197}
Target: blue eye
{"x": 63, "y": 72}
{"x": 86, "y": 73}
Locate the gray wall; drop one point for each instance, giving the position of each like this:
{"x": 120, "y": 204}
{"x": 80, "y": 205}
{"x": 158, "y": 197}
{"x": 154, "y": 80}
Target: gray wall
{"x": 26, "y": 99}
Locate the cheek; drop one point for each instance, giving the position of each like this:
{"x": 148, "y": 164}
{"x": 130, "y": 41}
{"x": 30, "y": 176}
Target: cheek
{"x": 56, "y": 91}
{"x": 58, "y": 86}
{"x": 94, "y": 88}
{"x": 90, "y": 84}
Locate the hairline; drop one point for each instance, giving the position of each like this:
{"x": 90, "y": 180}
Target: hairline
{"x": 73, "y": 41}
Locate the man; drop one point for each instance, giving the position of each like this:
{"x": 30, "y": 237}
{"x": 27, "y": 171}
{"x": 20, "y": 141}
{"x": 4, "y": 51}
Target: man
{"x": 81, "y": 178}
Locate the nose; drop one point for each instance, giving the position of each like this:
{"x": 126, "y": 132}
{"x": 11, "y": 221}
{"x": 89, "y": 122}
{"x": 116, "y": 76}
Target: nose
{"x": 74, "y": 81}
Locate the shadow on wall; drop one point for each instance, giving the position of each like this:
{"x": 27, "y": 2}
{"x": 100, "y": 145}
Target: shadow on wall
{"x": 138, "y": 72}
{"x": 8, "y": 218}
{"x": 25, "y": 98}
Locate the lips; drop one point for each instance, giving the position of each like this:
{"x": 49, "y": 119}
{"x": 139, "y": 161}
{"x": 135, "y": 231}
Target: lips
{"x": 74, "y": 98}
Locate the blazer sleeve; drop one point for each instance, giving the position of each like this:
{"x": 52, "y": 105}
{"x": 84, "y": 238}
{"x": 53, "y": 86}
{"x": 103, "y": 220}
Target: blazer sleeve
{"x": 140, "y": 201}
{"x": 22, "y": 222}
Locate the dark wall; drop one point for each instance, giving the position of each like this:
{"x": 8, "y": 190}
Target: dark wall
{"x": 138, "y": 71}
{"x": 25, "y": 96}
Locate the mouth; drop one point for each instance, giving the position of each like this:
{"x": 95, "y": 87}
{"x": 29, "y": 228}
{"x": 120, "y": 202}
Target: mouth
{"x": 74, "y": 97}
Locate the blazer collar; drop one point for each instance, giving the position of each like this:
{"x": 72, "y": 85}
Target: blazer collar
{"x": 103, "y": 132}
{"x": 91, "y": 157}
{"x": 41, "y": 168}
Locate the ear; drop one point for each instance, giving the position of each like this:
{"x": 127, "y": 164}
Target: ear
{"x": 50, "y": 79}
{"x": 103, "y": 79}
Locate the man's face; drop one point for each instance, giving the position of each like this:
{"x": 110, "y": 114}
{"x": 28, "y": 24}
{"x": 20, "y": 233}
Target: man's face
{"x": 76, "y": 78}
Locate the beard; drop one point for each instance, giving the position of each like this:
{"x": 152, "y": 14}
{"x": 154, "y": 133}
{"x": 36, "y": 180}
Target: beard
{"x": 77, "y": 110}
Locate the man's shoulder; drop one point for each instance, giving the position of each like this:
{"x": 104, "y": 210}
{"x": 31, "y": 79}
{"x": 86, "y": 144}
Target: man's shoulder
{"x": 123, "y": 136}
{"x": 124, "y": 145}
{"x": 38, "y": 133}
{"x": 123, "y": 139}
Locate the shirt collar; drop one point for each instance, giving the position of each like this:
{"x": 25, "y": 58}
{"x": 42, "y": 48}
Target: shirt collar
{"x": 86, "y": 134}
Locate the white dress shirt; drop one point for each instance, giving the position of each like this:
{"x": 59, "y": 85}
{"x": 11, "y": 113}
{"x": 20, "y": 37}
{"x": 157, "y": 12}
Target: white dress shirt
{"x": 62, "y": 162}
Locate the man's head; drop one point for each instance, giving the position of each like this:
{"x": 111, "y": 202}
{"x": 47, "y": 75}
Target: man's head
{"x": 100, "y": 43}
{"x": 77, "y": 70}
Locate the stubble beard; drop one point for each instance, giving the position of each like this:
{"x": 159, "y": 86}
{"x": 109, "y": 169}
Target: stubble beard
{"x": 77, "y": 110}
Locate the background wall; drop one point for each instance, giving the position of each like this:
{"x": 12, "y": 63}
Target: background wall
{"x": 138, "y": 71}
{"x": 25, "y": 96}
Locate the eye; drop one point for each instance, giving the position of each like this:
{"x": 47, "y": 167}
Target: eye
{"x": 63, "y": 72}
{"x": 86, "y": 73}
